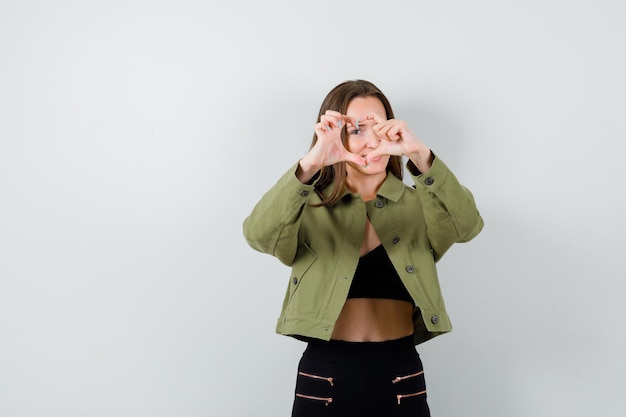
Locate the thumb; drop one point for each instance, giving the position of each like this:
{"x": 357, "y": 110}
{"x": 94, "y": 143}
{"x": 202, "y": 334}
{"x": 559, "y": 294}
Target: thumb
{"x": 355, "y": 159}
{"x": 375, "y": 154}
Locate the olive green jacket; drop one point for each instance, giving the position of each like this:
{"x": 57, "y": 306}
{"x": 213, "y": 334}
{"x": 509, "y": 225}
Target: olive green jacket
{"x": 416, "y": 226}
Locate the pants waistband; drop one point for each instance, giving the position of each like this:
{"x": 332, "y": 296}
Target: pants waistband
{"x": 344, "y": 350}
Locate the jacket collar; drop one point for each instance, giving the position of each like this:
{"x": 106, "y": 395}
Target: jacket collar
{"x": 391, "y": 189}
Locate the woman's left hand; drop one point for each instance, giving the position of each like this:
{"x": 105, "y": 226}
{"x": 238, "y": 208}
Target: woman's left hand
{"x": 397, "y": 139}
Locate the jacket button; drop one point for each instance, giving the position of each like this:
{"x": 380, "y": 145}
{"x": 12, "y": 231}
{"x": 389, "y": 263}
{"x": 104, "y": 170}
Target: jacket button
{"x": 295, "y": 281}
{"x": 410, "y": 269}
{"x": 379, "y": 203}
{"x": 434, "y": 319}
{"x": 304, "y": 193}
{"x": 396, "y": 239}
{"x": 429, "y": 181}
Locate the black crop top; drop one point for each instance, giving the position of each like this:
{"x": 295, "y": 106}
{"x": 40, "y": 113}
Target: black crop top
{"x": 376, "y": 277}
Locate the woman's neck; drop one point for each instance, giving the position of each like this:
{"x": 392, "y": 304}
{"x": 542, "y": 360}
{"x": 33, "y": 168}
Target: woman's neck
{"x": 365, "y": 185}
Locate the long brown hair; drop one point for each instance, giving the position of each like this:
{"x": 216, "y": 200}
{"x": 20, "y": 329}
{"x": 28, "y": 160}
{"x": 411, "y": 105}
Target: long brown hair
{"x": 338, "y": 99}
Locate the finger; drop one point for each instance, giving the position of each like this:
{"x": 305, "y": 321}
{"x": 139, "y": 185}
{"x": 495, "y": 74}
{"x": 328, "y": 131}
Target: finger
{"x": 323, "y": 128}
{"x": 394, "y": 132}
{"x": 354, "y": 158}
{"x": 350, "y": 121}
{"x": 390, "y": 129}
{"x": 376, "y": 118}
{"x": 374, "y": 154}
{"x": 382, "y": 130}
{"x": 338, "y": 119}
{"x": 332, "y": 120}
{"x": 332, "y": 113}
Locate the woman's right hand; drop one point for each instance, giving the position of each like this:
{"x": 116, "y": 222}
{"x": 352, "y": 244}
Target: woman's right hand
{"x": 328, "y": 148}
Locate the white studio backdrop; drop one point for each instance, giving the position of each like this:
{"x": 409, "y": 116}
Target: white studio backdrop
{"x": 135, "y": 136}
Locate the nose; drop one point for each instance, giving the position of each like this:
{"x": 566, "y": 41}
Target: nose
{"x": 371, "y": 140}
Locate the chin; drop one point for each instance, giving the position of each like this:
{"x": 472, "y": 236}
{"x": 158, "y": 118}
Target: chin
{"x": 373, "y": 169}
{"x": 377, "y": 166}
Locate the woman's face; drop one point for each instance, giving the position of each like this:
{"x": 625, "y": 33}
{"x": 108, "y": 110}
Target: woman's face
{"x": 362, "y": 141}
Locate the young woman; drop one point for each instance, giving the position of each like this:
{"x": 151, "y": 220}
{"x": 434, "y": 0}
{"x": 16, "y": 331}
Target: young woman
{"x": 362, "y": 245}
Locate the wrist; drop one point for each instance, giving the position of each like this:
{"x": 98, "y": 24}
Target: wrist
{"x": 422, "y": 159}
{"x": 306, "y": 170}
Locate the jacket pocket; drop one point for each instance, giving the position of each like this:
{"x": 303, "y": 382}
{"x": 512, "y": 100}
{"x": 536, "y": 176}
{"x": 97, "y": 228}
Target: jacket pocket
{"x": 304, "y": 259}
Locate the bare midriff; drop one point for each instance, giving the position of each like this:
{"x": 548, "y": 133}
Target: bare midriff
{"x": 374, "y": 320}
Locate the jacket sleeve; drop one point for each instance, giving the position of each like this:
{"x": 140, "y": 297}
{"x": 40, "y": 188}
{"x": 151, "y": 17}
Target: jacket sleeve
{"x": 449, "y": 208}
{"x": 273, "y": 225}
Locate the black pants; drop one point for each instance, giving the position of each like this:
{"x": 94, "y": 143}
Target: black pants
{"x": 364, "y": 379}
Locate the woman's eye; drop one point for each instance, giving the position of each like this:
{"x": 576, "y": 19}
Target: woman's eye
{"x": 356, "y": 132}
